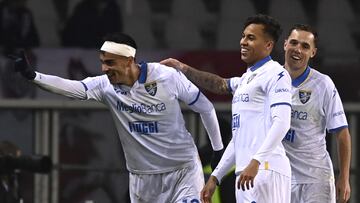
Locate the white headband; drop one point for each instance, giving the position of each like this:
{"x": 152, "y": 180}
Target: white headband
{"x": 118, "y": 49}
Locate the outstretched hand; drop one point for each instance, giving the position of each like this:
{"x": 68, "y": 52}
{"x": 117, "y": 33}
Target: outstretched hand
{"x": 21, "y": 64}
{"x": 175, "y": 64}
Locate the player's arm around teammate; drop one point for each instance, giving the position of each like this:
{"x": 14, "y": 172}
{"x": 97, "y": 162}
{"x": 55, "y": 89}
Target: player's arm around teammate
{"x": 116, "y": 69}
{"x": 273, "y": 86}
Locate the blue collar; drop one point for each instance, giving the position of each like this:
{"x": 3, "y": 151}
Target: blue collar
{"x": 260, "y": 63}
{"x": 143, "y": 72}
{"x": 297, "y": 81}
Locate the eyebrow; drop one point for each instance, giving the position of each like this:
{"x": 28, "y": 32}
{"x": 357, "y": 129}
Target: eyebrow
{"x": 107, "y": 60}
{"x": 248, "y": 35}
{"x": 300, "y": 42}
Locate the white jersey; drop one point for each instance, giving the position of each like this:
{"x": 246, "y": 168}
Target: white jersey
{"x": 261, "y": 87}
{"x": 316, "y": 106}
{"x": 147, "y": 115}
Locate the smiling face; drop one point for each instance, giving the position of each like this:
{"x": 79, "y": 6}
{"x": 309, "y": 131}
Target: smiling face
{"x": 255, "y": 44}
{"x": 117, "y": 68}
{"x": 299, "y": 48}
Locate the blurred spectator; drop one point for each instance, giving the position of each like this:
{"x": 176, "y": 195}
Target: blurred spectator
{"x": 212, "y": 6}
{"x": 311, "y": 9}
{"x": 62, "y": 11}
{"x": 209, "y": 29}
{"x": 17, "y": 27}
{"x": 355, "y": 25}
{"x": 91, "y": 20}
{"x": 261, "y": 6}
{"x": 9, "y": 187}
{"x": 355, "y": 6}
{"x": 77, "y": 70}
{"x": 161, "y": 10}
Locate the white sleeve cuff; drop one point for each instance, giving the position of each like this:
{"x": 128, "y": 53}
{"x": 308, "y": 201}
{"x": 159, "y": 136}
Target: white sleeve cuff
{"x": 226, "y": 163}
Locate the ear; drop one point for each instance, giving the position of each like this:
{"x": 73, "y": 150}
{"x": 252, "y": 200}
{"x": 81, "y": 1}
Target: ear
{"x": 130, "y": 60}
{"x": 314, "y": 51}
{"x": 270, "y": 45}
{"x": 285, "y": 44}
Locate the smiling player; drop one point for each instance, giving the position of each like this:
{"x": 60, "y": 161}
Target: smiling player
{"x": 143, "y": 99}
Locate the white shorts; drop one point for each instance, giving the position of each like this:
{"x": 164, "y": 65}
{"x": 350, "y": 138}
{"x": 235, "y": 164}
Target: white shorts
{"x": 269, "y": 187}
{"x": 179, "y": 186}
{"x": 313, "y": 192}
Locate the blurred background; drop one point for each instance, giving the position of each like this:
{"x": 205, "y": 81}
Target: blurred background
{"x": 62, "y": 37}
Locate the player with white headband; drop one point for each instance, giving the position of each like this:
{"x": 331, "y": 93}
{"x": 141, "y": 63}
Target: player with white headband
{"x": 143, "y": 99}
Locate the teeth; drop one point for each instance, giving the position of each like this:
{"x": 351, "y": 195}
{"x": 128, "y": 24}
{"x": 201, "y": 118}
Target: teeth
{"x": 243, "y": 50}
{"x": 296, "y": 57}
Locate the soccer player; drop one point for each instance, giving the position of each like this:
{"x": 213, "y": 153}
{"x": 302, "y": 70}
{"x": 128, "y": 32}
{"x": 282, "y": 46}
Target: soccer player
{"x": 143, "y": 99}
{"x": 261, "y": 109}
{"x": 316, "y": 107}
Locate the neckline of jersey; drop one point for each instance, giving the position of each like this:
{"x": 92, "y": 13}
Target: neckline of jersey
{"x": 299, "y": 80}
{"x": 260, "y": 63}
{"x": 143, "y": 72}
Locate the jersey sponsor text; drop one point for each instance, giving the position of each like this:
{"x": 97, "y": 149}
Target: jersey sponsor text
{"x": 140, "y": 108}
{"x": 235, "y": 121}
{"x": 290, "y": 136}
{"x": 144, "y": 127}
{"x": 241, "y": 98}
{"x": 299, "y": 115}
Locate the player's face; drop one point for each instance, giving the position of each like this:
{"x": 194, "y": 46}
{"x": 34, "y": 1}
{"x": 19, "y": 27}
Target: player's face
{"x": 299, "y": 48}
{"x": 116, "y": 67}
{"x": 255, "y": 44}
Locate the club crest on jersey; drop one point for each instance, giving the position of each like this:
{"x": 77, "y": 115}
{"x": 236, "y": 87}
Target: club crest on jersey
{"x": 304, "y": 96}
{"x": 151, "y": 88}
{"x": 251, "y": 78}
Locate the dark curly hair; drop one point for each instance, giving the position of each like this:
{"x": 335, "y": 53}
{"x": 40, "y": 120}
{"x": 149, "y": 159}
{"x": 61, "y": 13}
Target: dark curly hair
{"x": 271, "y": 26}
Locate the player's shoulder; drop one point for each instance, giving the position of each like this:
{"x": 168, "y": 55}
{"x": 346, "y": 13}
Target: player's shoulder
{"x": 159, "y": 71}
{"x": 97, "y": 82}
{"x": 274, "y": 69}
{"x": 321, "y": 78}
{"x": 100, "y": 79}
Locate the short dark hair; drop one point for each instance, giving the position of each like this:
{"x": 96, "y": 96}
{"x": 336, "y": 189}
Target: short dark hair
{"x": 120, "y": 38}
{"x": 271, "y": 25}
{"x": 307, "y": 28}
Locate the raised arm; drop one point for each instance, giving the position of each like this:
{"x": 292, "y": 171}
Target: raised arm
{"x": 69, "y": 88}
{"x": 65, "y": 87}
{"x": 205, "y": 80}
